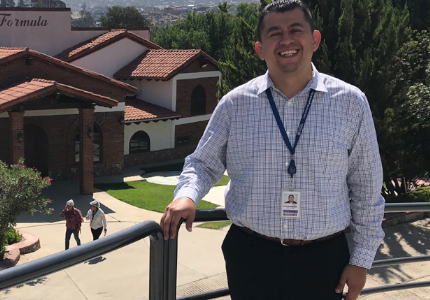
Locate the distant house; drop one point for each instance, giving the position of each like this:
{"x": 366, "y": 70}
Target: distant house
{"x": 79, "y": 103}
{"x": 49, "y": 3}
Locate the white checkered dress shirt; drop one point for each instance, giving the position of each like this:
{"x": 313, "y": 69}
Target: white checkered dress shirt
{"x": 339, "y": 172}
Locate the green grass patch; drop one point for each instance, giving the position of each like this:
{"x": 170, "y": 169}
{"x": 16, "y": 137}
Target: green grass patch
{"x": 178, "y": 167}
{"x": 224, "y": 180}
{"x": 419, "y": 195}
{"x": 215, "y": 225}
{"x": 146, "y": 195}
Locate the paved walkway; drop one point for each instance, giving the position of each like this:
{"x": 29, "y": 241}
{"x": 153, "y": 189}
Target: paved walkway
{"x": 124, "y": 274}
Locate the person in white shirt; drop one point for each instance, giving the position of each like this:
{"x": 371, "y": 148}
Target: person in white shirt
{"x": 292, "y": 131}
{"x": 97, "y": 219}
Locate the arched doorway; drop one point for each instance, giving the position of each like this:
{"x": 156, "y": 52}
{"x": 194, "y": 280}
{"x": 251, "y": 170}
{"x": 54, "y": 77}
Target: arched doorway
{"x": 36, "y": 148}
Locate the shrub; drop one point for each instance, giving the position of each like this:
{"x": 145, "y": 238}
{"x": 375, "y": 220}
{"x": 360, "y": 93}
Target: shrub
{"x": 419, "y": 195}
{"x": 20, "y": 189}
{"x": 12, "y": 236}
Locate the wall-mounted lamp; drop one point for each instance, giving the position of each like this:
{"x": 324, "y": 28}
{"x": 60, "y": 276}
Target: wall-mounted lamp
{"x": 20, "y": 137}
{"x": 121, "y": 120}
{"x": 90, "y": 132}
{"x": 203, "y": 65}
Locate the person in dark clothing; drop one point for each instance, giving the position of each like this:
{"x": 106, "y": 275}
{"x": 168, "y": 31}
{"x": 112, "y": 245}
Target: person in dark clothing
{"x": 74, "y": 219}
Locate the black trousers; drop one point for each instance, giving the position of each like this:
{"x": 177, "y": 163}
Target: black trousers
{"x": 96, "y": 233}
{"x": 259, "y": 269}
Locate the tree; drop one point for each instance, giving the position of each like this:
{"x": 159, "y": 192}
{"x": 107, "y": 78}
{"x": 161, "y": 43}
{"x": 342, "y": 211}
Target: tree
{"x": 248, "y": 12}
{"x": 123, "y": 17}
{"x": 86, "y": 20}
{"x": 240, "y": 63}
{"x": 209, "y": 32}
{"x": 410, "y": 118}
{"x": 367, "y": 43}
{"x": 20, "y": 188}
{"x": 419, "y": 10}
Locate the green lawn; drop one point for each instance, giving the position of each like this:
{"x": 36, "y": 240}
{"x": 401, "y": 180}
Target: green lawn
{"x": 215, "y": 225}
{"x": 224, "y": 180}
{"x": 146, "y": 195}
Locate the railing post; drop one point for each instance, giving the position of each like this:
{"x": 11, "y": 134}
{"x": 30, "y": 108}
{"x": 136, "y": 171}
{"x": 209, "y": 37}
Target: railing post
{"x": 156, "y": 267}
{"x": 170, "y": 267}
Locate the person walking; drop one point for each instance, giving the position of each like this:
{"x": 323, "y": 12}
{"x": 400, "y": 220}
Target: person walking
{"x": 292, "y": 131}
{"x": 74, "y": 220}
{"x": 97, "y": 219}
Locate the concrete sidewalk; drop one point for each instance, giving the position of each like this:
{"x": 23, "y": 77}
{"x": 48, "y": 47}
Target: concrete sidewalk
{"x": 124, "y": 274}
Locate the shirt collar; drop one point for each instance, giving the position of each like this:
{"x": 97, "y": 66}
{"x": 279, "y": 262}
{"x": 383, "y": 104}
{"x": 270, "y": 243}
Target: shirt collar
{"x": 316, "y": 83}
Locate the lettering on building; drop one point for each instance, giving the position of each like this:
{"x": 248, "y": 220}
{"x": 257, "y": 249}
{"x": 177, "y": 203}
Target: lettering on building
{"x": 7, "y": 21}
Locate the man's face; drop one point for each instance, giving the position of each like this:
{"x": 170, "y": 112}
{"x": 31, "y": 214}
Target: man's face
{"x": 93, "y": 208}
{"x": 69, "y": 207}
{"x": 291, "y": 199}
{"x": 287, "y": 43}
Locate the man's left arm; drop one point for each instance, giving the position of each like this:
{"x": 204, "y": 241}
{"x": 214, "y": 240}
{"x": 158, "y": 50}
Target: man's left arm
{"x": 367, "y": 205}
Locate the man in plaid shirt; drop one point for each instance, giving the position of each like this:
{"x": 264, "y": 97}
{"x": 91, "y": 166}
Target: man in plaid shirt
{"x": 276, "y": 249}
{"x": 73, "y": 222}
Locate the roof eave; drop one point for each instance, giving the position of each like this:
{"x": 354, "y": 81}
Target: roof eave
{"x": 153, "y": 119}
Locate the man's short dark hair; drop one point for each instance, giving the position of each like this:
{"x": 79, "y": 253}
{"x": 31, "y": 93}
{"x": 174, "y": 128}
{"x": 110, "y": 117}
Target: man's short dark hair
{"x": 281, "y": 6}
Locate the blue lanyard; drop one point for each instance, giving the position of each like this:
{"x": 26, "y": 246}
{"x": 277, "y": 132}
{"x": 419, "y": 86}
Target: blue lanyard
{"x": 292, "y": 165}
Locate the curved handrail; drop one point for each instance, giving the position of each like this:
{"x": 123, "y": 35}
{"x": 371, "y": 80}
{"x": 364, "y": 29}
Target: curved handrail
{"x": 407, "y": 207}
{"x": 400, "y": 260}
{"x": 67, "y": 258}
{"x": 163, "y": 268}
{"x": 395, "y": 287}
{"x": 208, "y": 215}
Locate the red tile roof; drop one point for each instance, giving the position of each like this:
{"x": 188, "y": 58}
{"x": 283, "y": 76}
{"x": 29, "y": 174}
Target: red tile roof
{"x": 8, "y": 54}
{"x": 97, "y": 43}
{"x": 139, "y": 110}
{"x": 39, "y": 88}
{"x": 160, "y": 64}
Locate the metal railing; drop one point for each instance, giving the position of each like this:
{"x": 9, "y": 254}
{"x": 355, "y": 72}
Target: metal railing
{"x": 64, "y": 259}
{"x": 163, "y": 257}
{"x": 220, "y": 215}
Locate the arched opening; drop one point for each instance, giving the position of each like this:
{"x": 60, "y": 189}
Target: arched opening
{"x": 140, "y": 142}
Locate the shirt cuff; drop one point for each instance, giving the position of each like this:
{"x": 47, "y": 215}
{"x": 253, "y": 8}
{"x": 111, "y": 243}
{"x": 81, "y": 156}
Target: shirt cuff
{"x": 189, "y": 193}
{"x": 362, "y": 257}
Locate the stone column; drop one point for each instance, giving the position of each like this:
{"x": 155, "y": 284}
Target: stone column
{"x": 16, "y": 125}
{"x": 86, "y": 164}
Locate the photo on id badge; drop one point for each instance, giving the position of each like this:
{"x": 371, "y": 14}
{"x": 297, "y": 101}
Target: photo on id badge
{"x": 290, "y": 204}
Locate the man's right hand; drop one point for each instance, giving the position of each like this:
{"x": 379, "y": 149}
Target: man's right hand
{"x": 180, "y": 208}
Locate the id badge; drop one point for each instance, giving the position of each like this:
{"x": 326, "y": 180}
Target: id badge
{"x": 290, "y": 206}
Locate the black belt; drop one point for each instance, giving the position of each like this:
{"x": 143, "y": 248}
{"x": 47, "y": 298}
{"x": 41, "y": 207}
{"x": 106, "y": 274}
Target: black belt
{"x": 288, "y": 242}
